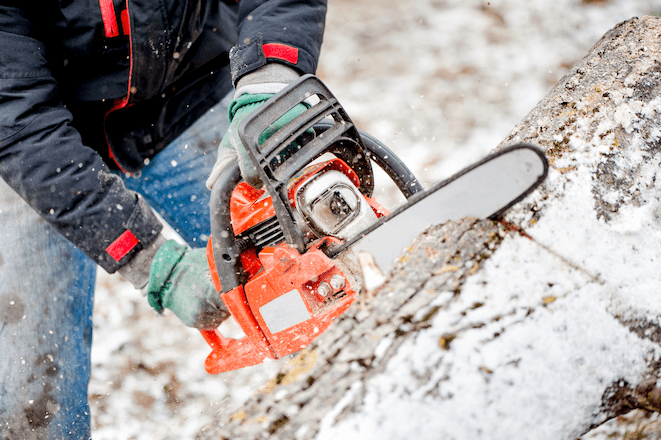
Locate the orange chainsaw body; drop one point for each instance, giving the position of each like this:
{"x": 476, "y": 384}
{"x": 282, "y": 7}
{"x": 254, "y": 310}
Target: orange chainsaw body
{"x": 281, "y": 308}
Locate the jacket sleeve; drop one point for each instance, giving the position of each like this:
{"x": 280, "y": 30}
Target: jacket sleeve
{"x": 43, "y": 159}
{"x": 282, "y": 31}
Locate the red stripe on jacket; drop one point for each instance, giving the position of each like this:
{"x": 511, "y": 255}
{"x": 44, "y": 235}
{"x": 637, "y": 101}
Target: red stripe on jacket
{"x": 123, "y": 245}
{"x": 109, "y": 17}
{"x": 281, "y": 52}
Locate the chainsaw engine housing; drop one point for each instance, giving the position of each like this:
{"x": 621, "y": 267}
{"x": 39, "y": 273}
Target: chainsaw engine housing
{"x": 292, "y": 297}
{"x": 325, "y": 201}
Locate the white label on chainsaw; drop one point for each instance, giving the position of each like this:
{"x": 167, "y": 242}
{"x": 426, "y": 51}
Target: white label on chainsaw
{"x": 285, "y": 311}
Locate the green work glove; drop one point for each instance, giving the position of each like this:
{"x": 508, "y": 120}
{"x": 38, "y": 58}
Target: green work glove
{"x": 231, "y": 148}
{"x": 179, "y": 280}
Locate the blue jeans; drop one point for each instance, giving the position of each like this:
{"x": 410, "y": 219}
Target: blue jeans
{"x": 47, "y": 288}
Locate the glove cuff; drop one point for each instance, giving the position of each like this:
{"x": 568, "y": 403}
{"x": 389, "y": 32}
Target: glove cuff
{"x": 269, "y": 73}
{"x": 162, "y": 267}
{"x": 136, "y": 271}
{"x": 262, "y": 83}
{"x": 260, "y": 89}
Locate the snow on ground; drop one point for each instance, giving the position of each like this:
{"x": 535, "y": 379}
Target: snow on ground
{"x": 441, "y": 82}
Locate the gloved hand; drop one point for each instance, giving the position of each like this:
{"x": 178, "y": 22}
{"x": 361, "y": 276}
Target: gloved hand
{"x": 179, "y": 280}
{"x": 231, "y": 148}
{"x": 252, "y": 90}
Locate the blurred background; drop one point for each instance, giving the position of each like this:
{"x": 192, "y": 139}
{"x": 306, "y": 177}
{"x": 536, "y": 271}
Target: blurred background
{"x": 441, "y": 82}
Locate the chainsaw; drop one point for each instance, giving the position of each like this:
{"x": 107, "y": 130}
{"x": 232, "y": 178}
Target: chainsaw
{"x": 289, "y": 258}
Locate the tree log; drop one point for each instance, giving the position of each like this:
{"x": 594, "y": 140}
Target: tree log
{"x": 544, "y": 324}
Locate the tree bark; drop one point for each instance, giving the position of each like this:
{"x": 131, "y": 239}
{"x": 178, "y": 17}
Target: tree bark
{"x": 542, "y": 325}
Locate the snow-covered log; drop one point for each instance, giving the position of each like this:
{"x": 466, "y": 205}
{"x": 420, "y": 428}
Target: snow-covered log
{"x": 540, "y": 326}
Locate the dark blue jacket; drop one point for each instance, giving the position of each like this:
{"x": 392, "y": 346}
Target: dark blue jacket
{"x": 92, "y": 85}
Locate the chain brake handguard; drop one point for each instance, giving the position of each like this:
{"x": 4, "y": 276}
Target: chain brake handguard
{"x": 341, "y": 138}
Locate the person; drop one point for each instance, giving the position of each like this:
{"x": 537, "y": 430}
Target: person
{"x": 109, "y": 111}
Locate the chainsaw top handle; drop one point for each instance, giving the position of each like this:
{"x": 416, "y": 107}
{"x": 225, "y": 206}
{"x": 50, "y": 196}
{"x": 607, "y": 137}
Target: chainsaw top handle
{"x": 288, "y": 151}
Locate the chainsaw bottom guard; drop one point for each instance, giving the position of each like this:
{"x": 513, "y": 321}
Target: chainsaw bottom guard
{"x": 231, "y": 354}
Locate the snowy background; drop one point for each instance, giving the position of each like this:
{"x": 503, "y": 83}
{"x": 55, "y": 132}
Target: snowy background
{"x": 441, "y": 82}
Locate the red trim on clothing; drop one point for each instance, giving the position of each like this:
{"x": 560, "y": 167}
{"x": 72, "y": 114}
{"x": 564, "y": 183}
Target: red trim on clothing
{"x": 123, "y": 245}
{"x": 109, "y": 17}
{"x": 281, "y": 52}
{"x": 126, "y": 24}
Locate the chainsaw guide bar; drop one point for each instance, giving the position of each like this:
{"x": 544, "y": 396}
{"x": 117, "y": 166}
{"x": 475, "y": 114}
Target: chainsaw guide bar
{"x": 483, "y": 190}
